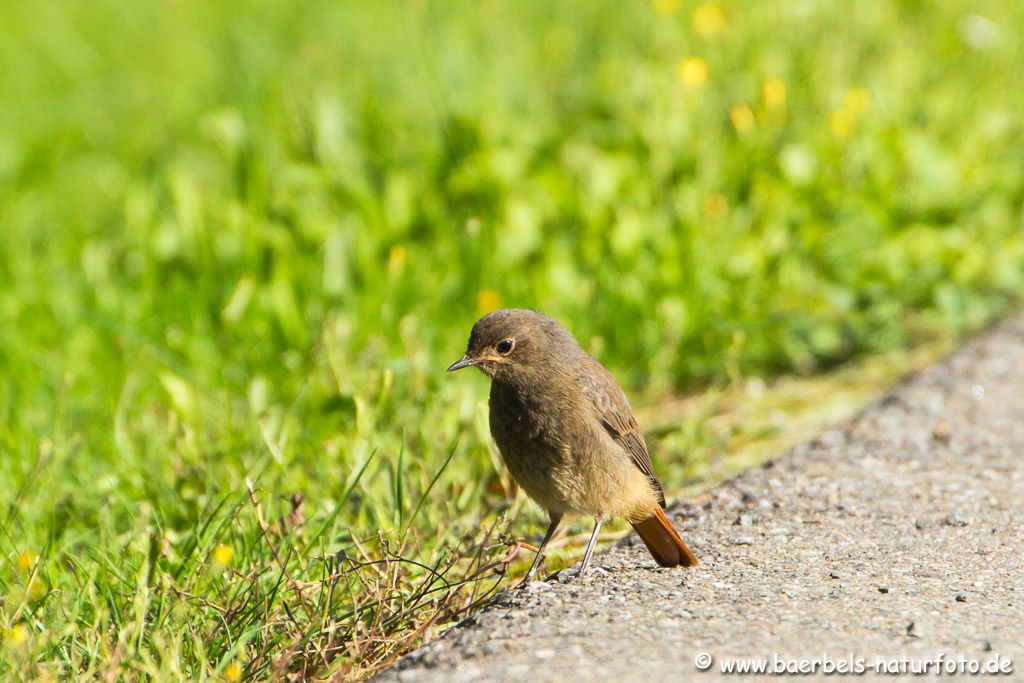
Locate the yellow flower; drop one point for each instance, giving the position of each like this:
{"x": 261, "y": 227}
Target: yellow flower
{"x": 857, "y": 101}
{"x": 17, "y": 635}
{"x": 233, "y": 672}
{"x": 708, "y": 20}
{"x": 693, "y": 72}
{"x": 36, "y": 589}
{"x": 667, "y": 8}
{"x": 396, "y": 258}
{"x": 742, "y": 118}
{"x": 840, "y": 124}
{"x": 714, "y": 206}
{"x": 486, "y": 301}
{"x": 222, "y": 555}
{"x": 774, "y": 92}
{"x": 27, "y": 560}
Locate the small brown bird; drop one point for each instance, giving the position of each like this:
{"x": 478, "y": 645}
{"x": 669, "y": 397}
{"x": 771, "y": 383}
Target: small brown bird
{"x": 566, "y": 432}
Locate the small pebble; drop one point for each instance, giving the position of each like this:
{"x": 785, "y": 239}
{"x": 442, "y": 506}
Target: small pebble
{"x": 961, "y": 597}
{"x": 956, "y": 519}
{"x": 831, "y": 439}
{"x": 883, "y": 589}
{"x": 833, "y": 575}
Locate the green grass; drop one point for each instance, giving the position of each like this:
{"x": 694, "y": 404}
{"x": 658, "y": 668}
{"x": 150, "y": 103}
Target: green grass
{"x": 239, "y": 242}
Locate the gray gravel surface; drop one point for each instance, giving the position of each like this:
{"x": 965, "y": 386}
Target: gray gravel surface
{"x": 897, "y": 534}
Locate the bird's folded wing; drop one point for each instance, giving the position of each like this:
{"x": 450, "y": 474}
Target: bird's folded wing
{"x": 613, "y": 411}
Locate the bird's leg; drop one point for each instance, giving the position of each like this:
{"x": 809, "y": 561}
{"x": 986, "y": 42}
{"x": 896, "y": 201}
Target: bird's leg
{"x": 590, "y": 546}
{"x": 556, "y": 517}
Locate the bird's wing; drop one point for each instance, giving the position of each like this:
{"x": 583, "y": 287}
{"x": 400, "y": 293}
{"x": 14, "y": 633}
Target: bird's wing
{"x": 615, "y": 416}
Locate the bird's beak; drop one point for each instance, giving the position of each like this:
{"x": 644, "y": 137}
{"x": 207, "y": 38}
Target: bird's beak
{"x": 463, "y": 362}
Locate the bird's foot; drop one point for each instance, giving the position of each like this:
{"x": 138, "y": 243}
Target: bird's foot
{"x": 525, "y": 581}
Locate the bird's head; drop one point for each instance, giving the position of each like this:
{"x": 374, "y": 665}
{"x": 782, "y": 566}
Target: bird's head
{"x": 514, "y": 341}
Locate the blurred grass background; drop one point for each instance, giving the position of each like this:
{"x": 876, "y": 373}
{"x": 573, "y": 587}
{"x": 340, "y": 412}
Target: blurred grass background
{"x": 243, "y": 240}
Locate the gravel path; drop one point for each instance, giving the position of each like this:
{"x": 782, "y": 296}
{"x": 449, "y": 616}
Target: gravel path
{"x": 900, "y": 533}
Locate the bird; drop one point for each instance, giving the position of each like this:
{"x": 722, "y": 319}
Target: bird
{"x": 566, "y": 432}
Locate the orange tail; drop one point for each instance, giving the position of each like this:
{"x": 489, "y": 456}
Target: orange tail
{"x": 661, "y": 539}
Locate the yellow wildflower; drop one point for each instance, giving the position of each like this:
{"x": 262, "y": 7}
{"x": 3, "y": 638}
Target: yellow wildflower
{"x": 840, "y": 124}
{"x": 693, "y": 72}
{"x": 222, "y": 555}
{"x": 396, "y": 258}
{"x": 27, "y": 560}
{"x": 233, "y": 672}
{"x": 857, "y": 101}
{"x": 36, "y": 589}
{"x": 708, "y": 20}
{"x": 774, "y": 92}
{"x": 667, "y": 8}
{"x": 742, "y": 118}
{"x": 486, "y": 301}
{"x": 17, "y": 635}
{"x": 714, "y": 206}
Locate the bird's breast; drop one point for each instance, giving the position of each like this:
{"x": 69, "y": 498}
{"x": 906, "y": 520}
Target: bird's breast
{"x": 521, "y": 419}
{"x": 561, "y": 458}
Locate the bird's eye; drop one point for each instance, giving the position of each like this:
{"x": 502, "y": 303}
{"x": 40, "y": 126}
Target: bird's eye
{"x": 505, "y": 346}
